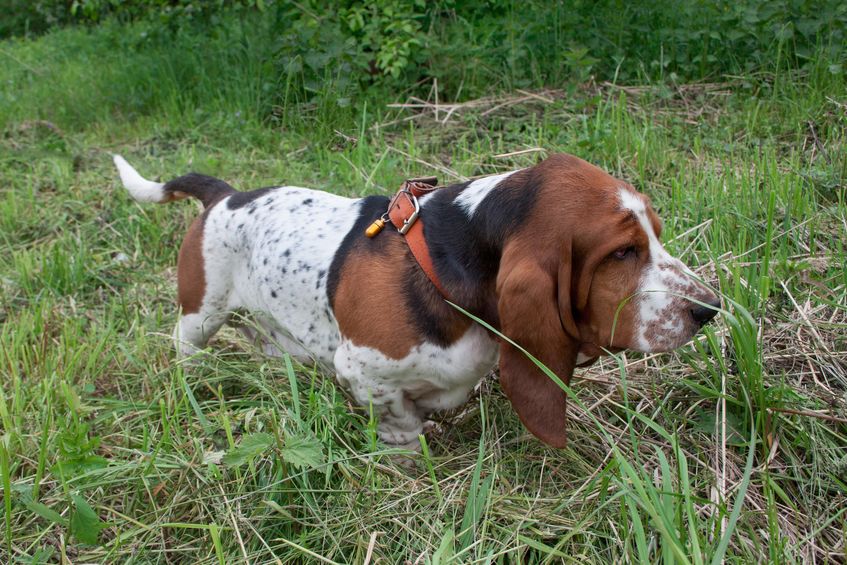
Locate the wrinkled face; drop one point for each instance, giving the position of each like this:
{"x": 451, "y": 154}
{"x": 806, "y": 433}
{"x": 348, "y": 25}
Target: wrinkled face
{"x": 638, "y": 296}
{"x": 585, "y": 275}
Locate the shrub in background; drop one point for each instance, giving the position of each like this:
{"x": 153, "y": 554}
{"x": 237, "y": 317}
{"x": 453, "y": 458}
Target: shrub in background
{"x": 321, "y": 52}
{"x": 524, "y": 42}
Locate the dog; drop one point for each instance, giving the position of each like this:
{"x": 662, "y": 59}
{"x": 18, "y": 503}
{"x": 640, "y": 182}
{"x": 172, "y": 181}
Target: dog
{"x": 561, "y": 257}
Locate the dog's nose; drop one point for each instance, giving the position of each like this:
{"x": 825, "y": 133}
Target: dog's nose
{"x": 702, "y": 314}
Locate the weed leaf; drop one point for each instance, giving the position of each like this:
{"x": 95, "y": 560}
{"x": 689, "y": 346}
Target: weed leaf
{"x": 250, "y": 447}
{"x": 303, "y": 450}
{"x": 76, "y": 466}
{"x": 85, "y": 525}
{"x": 44, "y": 511}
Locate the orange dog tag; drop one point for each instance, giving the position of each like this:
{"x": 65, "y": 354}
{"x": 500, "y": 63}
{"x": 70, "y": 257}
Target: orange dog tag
{"x": 375, "y": 227}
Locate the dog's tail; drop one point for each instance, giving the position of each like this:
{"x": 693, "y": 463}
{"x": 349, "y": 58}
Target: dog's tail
{"x": 207, "y": 190}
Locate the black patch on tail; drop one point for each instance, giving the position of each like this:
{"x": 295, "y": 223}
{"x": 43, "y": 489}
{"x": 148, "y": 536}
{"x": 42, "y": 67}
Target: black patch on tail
{"x": 204, "y": 188}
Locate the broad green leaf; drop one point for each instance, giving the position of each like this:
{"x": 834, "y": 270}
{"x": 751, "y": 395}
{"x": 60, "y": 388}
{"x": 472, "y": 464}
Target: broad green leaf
{"x": 75, "y": 466}
{"x": 250, "y": 447}
{"x": 706, "y": 422}
{"x": 85, "y": 525}
{"x": 302, "y": 450}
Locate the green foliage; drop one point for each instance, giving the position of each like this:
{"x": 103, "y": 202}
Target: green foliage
{"x": 250, "y": 447}
{"x": 84, "y": 523}
{"x": 300, "y": 449}
{"x": 34, "y": 17}
{"x": 76, "y": 447}
{"x": 526, "y": 43}
{"x": 316, "y": 50}
{"x": 303, "y": 451}
{"x": 389, "y": 31}
{"x": 43, "y": 511}
{"x": 76, "y": 452}
{"x": 540, "y": 41}
{"x": 347, "y": 46}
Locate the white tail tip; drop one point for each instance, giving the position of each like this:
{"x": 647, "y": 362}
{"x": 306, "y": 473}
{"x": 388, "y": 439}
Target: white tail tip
{"x": 141, "y": 189}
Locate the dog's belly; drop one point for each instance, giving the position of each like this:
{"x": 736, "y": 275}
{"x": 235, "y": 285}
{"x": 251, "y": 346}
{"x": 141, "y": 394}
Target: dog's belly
{"x": 276, "y": 253}
{"x": 431, "y": 377}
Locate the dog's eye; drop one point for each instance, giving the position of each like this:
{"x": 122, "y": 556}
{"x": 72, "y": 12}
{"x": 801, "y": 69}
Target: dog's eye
{"x": 624, "y": 252}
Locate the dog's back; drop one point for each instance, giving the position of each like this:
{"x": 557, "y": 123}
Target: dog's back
{"x": 267, "y": 251}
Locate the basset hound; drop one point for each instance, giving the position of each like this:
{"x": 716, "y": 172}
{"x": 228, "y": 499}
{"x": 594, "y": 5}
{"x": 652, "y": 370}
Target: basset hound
{"x": 561, "y": 257}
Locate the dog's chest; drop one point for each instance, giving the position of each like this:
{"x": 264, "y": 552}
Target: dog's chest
{"x": 276, "y": 252}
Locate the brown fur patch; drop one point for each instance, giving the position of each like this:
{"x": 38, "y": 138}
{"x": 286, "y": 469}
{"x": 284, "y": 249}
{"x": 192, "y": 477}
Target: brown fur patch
{"x": 176, "y": 195}
{"x": 558, "y": 289}
{"x": 598, "y": 284}
{"x": 369, "y": 301}
{"x": 191, "y": 269}
{"x": 530, "y": 315}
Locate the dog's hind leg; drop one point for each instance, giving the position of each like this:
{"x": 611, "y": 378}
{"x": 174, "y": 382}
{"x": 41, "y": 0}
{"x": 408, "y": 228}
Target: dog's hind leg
{"x": 204, "y": 303}
{"x": 193, "y": 331}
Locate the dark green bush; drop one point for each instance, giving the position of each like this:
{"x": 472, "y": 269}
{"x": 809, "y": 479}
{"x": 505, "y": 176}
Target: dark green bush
{"x": 476, "y": 44}
{"x": 472, "y": 44}
{"x": 25, "y": 17}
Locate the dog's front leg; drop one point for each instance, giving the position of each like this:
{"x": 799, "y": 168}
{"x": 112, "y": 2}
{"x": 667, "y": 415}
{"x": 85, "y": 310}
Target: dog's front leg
{"x": 398, "y": 419}
{"x": 399, "y": 423}
{"x": 373, "y": 382}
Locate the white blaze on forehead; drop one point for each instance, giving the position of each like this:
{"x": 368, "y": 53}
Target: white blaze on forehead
{"x": 661, "y": 283}
{"x": 473, "y": 194}
{"x": 634, "y": 203}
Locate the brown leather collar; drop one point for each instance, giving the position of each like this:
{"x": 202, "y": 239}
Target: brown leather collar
{"x": 403, "y": 212}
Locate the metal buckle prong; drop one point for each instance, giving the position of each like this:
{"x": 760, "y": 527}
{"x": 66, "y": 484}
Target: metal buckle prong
{"x": 408, "y": 222}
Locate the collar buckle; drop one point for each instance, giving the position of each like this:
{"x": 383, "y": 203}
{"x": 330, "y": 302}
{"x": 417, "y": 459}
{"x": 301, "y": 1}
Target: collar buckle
{"x": 403, "y": 211}
{"x": 411, "y": 201}
{"x": 407, "y": 224}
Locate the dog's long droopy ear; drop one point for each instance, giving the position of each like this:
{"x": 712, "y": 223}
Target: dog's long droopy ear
{"x": 534, "y": 310}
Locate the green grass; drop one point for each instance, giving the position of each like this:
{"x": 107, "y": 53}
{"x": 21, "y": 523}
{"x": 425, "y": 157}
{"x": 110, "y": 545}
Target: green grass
{"x": 735, "y": 445}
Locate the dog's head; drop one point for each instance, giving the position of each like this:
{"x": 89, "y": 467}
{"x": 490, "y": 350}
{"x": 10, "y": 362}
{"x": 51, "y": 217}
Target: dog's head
{"x": 587, "y": 273}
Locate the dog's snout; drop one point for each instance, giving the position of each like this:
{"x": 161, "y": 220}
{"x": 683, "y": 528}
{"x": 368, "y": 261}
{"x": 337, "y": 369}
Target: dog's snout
{"x": 702, "y": 314}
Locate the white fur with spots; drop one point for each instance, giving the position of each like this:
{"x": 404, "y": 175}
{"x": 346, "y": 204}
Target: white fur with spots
{"x": 430, "y": 378}
{"x": 664, "y": 313}
{"x": 271, "y": 258}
